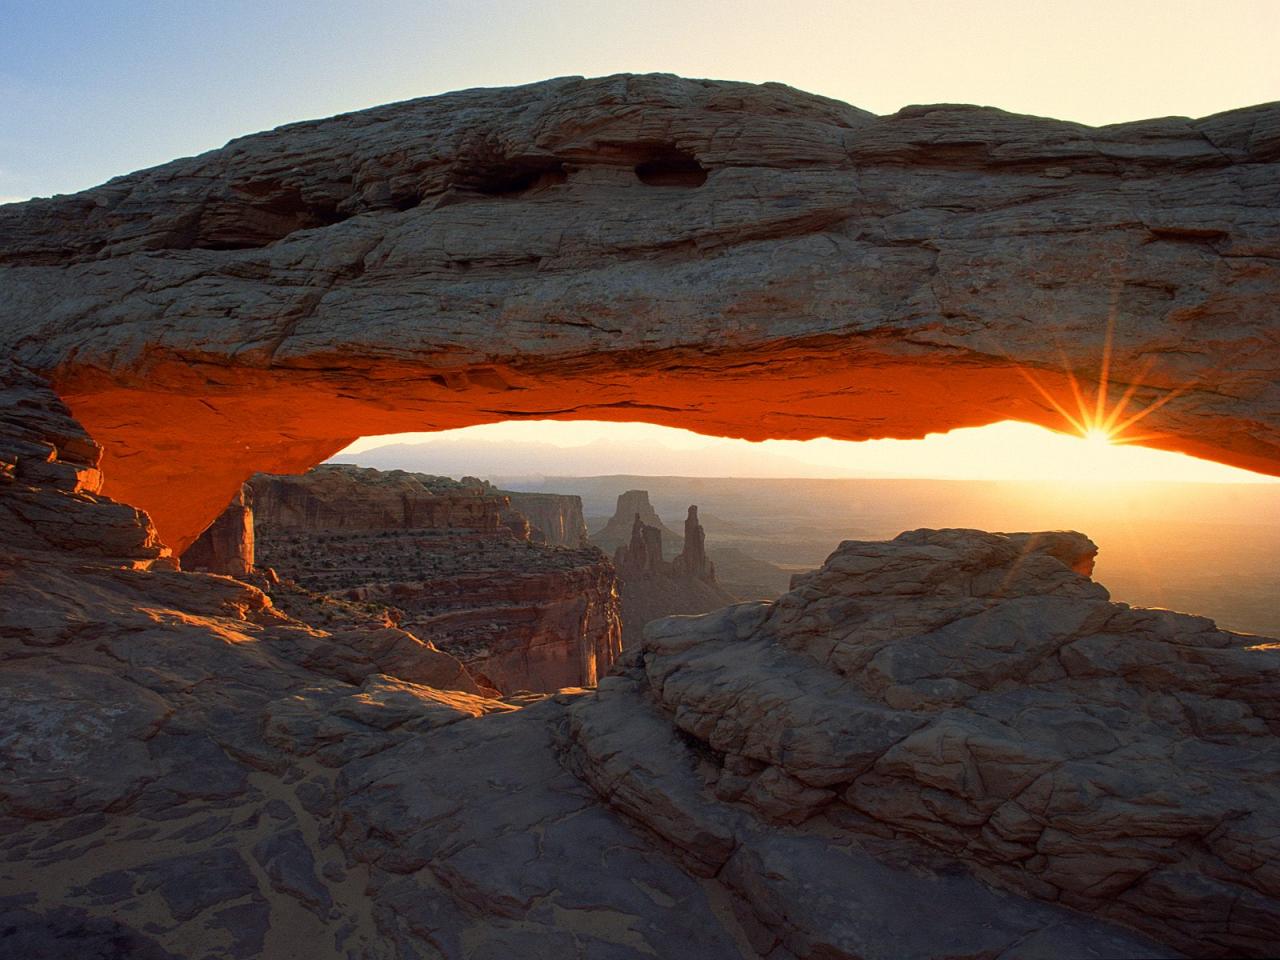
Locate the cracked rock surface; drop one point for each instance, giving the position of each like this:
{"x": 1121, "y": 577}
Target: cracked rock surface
{"x": 974, "y": 693}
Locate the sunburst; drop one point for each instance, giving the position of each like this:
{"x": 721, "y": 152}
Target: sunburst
{"x": 1099, "y": 421}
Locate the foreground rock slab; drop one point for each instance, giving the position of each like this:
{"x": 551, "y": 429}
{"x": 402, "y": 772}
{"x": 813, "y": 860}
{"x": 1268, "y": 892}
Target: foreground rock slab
{"x": 979, "y": 694}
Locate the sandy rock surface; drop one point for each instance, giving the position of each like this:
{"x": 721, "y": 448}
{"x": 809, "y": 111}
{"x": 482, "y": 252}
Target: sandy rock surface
{"x": 970, "y": 691}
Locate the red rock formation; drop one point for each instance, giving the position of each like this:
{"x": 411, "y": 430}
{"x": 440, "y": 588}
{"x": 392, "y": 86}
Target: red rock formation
{"x": 740, "y": 260}
{"x": 642, "y": 555}
{"x": 227, "y": 545}
{"x": 51, "y": 486}
{"x": 633, "y": 505}
{"x": 556, "y": 518}
{"x": 187, "y": 762}
{"x": 456, "y": 565}
{"x": 517, "y": 625}
{"x": 692, "y": 562}
{"x": 650, "y": 587}
{"x": 336, "y": 497}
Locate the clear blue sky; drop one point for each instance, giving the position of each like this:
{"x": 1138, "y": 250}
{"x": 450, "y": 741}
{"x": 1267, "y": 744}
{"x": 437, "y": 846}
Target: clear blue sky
{"x": 90, "y": 90}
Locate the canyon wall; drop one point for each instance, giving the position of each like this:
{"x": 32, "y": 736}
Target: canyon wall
{"x": 339, "y": 497}
{"x": 557, "y": 517}
{"x": 523, "y": 624}
{"x": 456, "y": 565}
{"x": 742, "y": 260}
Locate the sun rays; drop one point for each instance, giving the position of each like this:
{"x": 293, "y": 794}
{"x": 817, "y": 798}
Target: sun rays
{"x": 1098, "y": 420}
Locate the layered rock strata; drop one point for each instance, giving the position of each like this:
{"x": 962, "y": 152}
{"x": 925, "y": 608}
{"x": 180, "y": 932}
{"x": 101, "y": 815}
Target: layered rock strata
{"x": 556, "y": 518}
{"x": 335, "y": 497}
{"x": 455, "y": 565}
{"x": 737, "y": 259}
{"x": 979, "y": 694}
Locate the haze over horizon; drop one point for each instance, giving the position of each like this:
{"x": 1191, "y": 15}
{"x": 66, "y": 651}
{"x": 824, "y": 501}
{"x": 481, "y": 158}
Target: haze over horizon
{"x": 1003, "y": 451}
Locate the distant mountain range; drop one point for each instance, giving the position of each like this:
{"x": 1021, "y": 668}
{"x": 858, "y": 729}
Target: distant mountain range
{"x": 491, "y": 459}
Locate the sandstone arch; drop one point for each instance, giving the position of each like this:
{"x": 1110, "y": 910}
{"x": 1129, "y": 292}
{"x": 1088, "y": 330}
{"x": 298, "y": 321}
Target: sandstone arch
{"x": 743, "y": 260}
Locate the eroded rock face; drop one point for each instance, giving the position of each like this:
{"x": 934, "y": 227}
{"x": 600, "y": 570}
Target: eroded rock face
{"x": 692, "y": 562}
{"x": 455, "y": 565}
{"x": 336, "y": 497}
{"x": 227, "y": 545}
{"x": 974, "y": 692}
{"x": 555, "y": 518}
{"x": 193, "y": 767}
{"x": 736, "y": 259}
{"x": 49, "y": 469}
{"x": 619, "y": 530}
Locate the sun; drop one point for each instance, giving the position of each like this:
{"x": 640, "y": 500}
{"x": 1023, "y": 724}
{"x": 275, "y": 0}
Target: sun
{"x": 1100, "y": 422}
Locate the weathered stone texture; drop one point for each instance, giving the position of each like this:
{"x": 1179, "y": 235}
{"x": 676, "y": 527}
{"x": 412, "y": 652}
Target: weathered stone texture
{"x": 227, "y": 544}
{"x": 741, "y": 260}
{"x": 454, "y": 564}
{"x": 974, "y": 692}
{"x": 555, "y": 518}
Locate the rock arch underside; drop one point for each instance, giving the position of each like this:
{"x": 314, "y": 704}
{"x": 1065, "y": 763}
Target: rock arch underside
{"x": 954, "y": 727}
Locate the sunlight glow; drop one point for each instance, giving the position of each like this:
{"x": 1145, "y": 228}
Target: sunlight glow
{"x": 1097, "y": 435}
{"x": 999, "y": 451}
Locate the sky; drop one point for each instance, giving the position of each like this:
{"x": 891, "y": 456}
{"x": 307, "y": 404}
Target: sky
{"x": 94, "y": 90}
{"x": 91, "y": 90}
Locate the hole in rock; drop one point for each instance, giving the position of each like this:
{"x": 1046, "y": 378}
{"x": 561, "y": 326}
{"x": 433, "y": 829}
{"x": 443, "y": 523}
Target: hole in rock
{"x": 534, "y": 550}
{"x": 406, "y": 201}
{"x": 671, "y": 167}
{"x": 511, "y": 176}
{"x": 255, "y": 215}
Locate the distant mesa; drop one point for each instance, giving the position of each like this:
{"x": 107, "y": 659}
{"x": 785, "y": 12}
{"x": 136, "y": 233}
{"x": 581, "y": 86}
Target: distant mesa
{"x": 618, "y": 531}
{"x": 651, "y": 587}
